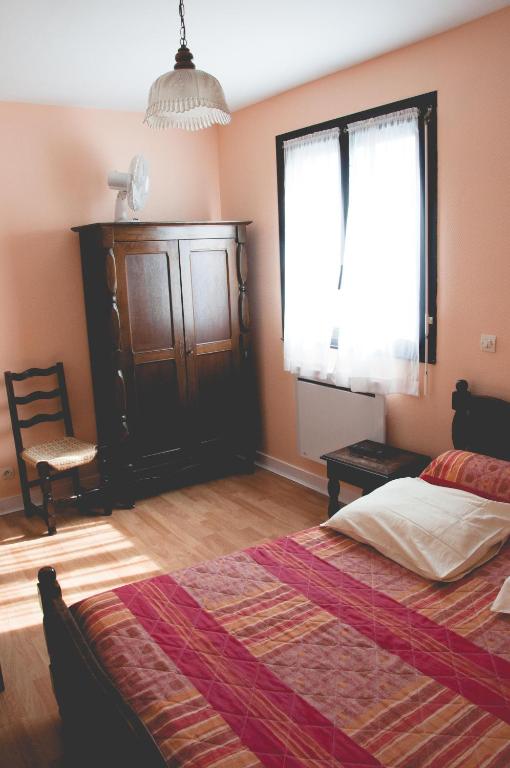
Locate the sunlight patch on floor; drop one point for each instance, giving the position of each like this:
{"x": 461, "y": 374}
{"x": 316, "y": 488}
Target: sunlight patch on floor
{"x": 71, "y": 552}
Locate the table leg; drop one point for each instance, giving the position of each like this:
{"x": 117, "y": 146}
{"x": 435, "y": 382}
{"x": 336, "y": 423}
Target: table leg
{"x": 333, "y": 492}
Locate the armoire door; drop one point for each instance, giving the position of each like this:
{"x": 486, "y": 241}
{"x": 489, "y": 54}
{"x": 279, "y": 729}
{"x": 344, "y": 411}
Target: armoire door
{"x": 210, "y": 296}
{"x": 152, "y": 343}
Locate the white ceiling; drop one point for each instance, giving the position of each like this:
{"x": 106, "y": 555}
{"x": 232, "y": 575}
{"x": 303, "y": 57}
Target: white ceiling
{"x": 106, "y": 53}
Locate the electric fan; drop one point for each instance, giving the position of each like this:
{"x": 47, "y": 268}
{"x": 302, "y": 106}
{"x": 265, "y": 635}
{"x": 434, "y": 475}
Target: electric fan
{"x": 133, "y": 187}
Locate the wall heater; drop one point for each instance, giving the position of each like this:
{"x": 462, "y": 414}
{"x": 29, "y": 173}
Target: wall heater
{"x": 331, "y": 418}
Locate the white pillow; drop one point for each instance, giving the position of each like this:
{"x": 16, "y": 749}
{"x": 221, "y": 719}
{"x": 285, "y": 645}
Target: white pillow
{"x": 502, "y": 602}
{"x": 439, "y": 533}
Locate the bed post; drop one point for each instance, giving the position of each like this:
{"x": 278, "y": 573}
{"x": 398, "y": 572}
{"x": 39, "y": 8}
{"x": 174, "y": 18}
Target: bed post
{"x": 100, "y": 728}
{"x": 49, "y": 588}
{"x": 461, "y": 399}
{"x": 481, "y": 424}
{"x": 54, "y": 622}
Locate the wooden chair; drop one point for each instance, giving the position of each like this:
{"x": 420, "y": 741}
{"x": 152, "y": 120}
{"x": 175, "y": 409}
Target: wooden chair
{"x": 54, "y": 459}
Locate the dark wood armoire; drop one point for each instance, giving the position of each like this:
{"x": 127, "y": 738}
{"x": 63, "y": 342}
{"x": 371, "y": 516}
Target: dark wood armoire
{"x": 168, "y": 327}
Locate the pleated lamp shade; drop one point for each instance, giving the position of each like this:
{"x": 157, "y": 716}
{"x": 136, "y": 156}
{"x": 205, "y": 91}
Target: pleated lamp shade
{"x": 186, "y": 98}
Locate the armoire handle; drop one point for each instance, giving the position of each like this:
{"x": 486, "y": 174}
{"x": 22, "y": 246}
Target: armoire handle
{"x": 190, "y": 351}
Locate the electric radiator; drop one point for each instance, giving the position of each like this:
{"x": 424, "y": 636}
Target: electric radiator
{"x": 331, "y": 418}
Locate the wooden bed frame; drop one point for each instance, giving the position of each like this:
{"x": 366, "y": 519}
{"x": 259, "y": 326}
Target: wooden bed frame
{"x": 100, "y": 728}
{"x": 480, "y": 424}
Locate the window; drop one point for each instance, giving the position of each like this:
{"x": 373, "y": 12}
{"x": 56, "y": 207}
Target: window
{"x": 357, "y": 206}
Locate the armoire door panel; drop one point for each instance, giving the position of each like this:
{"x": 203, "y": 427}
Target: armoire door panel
{"x": 211, "y": 330}
{"x": 215, "y": 394}
{"x": 210, "y": 295}
{"x": 149, "y": 299}
{"x": 159, "y": 422}
{"x": 152, "y": 337}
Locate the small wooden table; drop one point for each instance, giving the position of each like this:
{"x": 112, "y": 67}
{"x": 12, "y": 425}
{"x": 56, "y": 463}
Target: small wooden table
{"x": 368, "y": 465}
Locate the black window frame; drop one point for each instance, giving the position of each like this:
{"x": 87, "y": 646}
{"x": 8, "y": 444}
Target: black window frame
{"x": 427, "y": 107}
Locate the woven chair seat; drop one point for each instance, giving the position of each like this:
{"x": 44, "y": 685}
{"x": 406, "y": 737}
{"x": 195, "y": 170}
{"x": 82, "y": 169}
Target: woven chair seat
{"x": 61, "y": 454}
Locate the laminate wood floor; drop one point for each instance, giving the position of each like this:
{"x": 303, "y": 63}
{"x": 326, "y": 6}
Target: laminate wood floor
{"x": 164, "y": 533}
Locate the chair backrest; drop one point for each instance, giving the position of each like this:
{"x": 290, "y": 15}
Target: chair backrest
{"x": 60, "y": 392}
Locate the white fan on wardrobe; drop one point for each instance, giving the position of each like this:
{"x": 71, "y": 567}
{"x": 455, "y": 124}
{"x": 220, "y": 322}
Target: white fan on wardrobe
{"x": 133, "y": 187}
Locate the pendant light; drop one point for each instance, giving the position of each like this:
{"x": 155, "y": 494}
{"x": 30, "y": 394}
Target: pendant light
{"x": 186, "y": 97}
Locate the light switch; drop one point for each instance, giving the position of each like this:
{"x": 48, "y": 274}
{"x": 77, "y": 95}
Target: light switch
{"x": 487, "y": 342}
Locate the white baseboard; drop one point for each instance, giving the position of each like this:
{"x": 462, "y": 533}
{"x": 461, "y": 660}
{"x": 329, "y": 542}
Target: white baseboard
{"x": 11, "y": 504}
{"x": 302, "y": 476}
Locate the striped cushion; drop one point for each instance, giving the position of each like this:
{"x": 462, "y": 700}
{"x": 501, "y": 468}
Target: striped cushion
{"x": 473, "y": 472}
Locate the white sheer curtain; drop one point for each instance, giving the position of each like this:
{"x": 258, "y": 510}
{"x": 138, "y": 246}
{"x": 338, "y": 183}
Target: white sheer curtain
{"x": 313, "y": 250}
{"x": 377, "y": 313}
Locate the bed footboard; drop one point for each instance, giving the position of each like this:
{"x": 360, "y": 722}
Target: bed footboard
{"x": 100, "y": 728}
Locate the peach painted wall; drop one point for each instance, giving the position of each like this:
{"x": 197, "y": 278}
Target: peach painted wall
{"x": 470, "y": 69}
{"x": 53, "y": 164}
{"x": 54, "y": 161}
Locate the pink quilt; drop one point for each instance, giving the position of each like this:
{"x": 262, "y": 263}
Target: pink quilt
{"x": 312, "y": 650}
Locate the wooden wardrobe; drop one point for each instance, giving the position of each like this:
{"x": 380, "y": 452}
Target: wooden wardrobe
{"x": 168, "y": 328}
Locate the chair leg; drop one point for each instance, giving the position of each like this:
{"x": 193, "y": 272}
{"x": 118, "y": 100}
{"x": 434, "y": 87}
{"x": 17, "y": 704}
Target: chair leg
{"x": 43, "y": 469}
{"x": 80, "y": 494}
{"x": 25, "y": 490}
{"x": 75, "y": 479}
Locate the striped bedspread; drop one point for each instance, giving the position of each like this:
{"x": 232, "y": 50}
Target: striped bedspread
{"x": 312, "y": 650}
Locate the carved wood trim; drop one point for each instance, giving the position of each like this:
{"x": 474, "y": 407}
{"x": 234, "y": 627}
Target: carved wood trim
{"x": 116, "y": 335}
{"x": 121, "y": 403}
{"x": 242, "y": 277}
{"x": 111, "y": 273}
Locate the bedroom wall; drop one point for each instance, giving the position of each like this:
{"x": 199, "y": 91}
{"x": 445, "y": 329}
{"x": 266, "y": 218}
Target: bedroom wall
{"x": 469, "y": 68}
{"x": 54, "y": 162}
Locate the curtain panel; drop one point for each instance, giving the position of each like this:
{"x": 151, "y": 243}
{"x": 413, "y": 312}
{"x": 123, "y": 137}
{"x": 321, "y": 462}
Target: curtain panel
{"x": 378, "y": 306}
{"x": 374, "y": 314}
{"x": 313, "y": 250}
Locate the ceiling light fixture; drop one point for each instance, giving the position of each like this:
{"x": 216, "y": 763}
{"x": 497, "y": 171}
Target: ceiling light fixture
{"x": 186, "y": 97}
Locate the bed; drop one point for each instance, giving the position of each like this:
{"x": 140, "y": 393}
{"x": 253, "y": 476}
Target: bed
{"x": 311, "y": 650}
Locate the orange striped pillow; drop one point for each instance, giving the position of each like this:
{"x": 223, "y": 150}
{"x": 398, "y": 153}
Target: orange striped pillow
{"x": 473, "y": 472}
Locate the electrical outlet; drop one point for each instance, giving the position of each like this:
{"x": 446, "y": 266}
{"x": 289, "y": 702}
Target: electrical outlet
{"x": 7, "y": 473}
{"x": 487, "y": 342}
